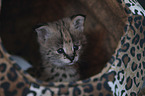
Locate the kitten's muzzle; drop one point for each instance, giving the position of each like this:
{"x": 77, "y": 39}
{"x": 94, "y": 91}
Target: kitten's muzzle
{"x": 71, "y": 58}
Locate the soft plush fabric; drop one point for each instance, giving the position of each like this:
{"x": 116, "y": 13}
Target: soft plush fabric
{"x": 122, "y": 76}
{"x": 104, "y": 22}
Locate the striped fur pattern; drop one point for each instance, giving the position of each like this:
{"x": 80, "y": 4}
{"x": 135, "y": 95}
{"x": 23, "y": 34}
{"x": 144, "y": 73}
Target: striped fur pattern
{"x": 61, "y": 44}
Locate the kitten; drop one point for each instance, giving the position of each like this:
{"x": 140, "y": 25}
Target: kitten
{"x": 61, "y": 44}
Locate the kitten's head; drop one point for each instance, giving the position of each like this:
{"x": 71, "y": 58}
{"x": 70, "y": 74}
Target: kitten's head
{"x": 61, "y": 41}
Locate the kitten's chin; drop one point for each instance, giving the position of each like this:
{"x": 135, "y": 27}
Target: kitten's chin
{"x": 65, "y": 64}
{"x": 71, "y": 63}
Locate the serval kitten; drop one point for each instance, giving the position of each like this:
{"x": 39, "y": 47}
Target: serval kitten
{"x": 61, "y": 44}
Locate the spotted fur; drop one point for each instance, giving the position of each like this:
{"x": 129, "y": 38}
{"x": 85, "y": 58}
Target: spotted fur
{"x": 61, "y": 44}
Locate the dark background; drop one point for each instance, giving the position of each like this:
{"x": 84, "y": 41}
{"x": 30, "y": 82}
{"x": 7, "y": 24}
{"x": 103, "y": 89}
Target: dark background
{"x": 103, "y": 27}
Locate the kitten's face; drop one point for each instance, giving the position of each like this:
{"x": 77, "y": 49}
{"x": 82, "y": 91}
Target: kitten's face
{"x": 61, "y": 41}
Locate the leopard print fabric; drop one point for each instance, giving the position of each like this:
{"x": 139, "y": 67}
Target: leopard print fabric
{"x": 123, "y": 74}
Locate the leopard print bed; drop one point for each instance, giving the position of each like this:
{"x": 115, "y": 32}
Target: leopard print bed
{"x": 122, "y": 76}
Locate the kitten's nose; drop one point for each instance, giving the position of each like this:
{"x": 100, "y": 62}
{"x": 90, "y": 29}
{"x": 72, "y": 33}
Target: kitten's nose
{"x": 71, "y": 58}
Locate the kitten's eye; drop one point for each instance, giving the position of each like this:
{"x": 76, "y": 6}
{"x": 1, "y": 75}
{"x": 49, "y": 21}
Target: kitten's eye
{"x": 60, "y": 50}
{"x": 76, "y": 47}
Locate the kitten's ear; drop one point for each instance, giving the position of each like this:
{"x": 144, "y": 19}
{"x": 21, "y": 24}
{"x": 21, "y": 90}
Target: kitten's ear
{"x": 78, "y": 22}
{"x": 43, "y": 33}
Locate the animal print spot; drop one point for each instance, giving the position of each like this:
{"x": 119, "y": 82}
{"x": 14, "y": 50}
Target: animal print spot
{"x": 56, "y": 75}
{"x": 72, "y": 84}
{"x": 119, "y": 62}
{"x": 95, "y": 79}
{"x": 88, "y": 88}
{"x": 139, "y": 65}
{"x": 63, "y": 91}
{"x": 143, "y": 64}
{"x": 35, "y": 85}
{"x": 135, "y": 39}
{"x": 109, "y": 95}
{"x": 122, "y": 40}
{"x": 132, "y": 28}
{"x": 133, "y": 94}
{"x": 60, "y": 80}
{"x": 125, "y": 47}
{"x": 143, "y": 22}
{"x": 20, "y": 85}
{"x": 64, "y": 75}
{"x": 32, "y": 93}
{"x": 86, "y": 80}
{"x": 144, "y": 53}
{"x": 7, "y": 92}
{"x": 137, "y": 84}
{"x": 143, "y": 78}
{"x": 116, "y": 87}
{"x": 26, "y": 91}
{"x": 5, "y": 85}
{"x": 26, "y": 80}
{"x": 138, "y": 47}
{"x": 50, "y": 84}
{"x": 76, "y": 91}
{"x": 106, "y": 86}
{"x": 134, "y": 66}
{"x": 138, "y": 57}
{"x": 128, "y": 38}
{"x": 125, "y": 28}
{"x": 47, "y": 91}
{"x": 17, "y": 66}
{"x": 12, "y": 75}
{"x": 136, "y": 11}
{"x": 128, "y": 4}
{"x": 39, "y": 81}
{"x": 141, "y": 72}
{"x": 128, "y": 83}
{"x": 142, "y": 41}
{"x": 120, "y": 77}
{"x": 137, "y": 24}
{"x": 132, "y": 51}
{"x": 141, "y": 29}
{"x": 109, "y": 76}
{"x": 1, "y": 55}
{"x": 130, "y": 19}
{"x": 99, "y": 86}
{"x": 122, "y": 92}
{"x": 61, "y": 86}
{"x": 52, "y": 70}
{"x": 72, "y": 75}
{"x": 112, "y": 60}
{"x": 11, "y": 58}
{"x": 50, "y": 78}
{"x": 118, "y": 53}
{"x": 119, "y": 1}
{"x": 137, "y": 74}
{"x": 2, "y": 78}
{"x": 3, "y": 67}
{"x": 100, "y": 94}
{"x": 125, "y": 59}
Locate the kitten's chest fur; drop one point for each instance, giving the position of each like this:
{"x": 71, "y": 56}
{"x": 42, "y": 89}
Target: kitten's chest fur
{"x": 59, "y": 74}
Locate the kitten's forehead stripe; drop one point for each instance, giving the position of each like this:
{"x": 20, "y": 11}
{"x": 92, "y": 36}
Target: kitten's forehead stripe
{"x": 65, "y": 32}
{"x": 66, "y": 36}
